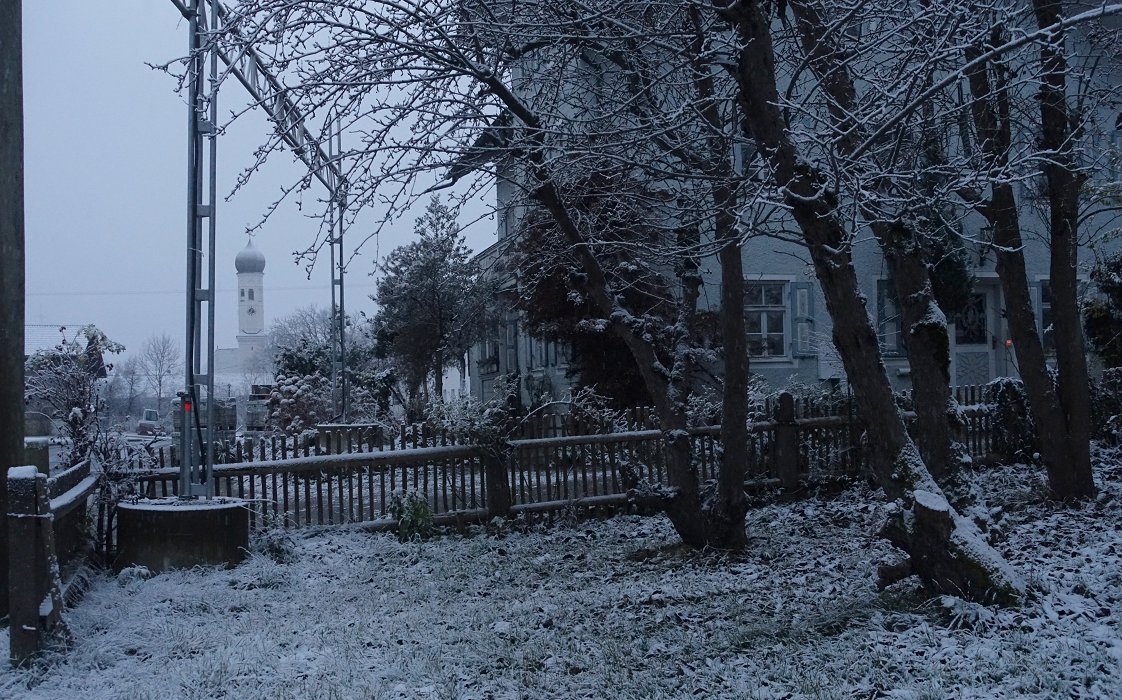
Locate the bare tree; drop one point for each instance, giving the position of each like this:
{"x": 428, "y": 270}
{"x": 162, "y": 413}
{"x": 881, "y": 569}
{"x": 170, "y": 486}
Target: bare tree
{"x": 540, "y": 95}
{"x": 308, "y": 324}
{"x": 159, "y": 362}
{"x": 512, "y": 84}
{"x": 128, "y": 371}
{"x": 946, "y": 549}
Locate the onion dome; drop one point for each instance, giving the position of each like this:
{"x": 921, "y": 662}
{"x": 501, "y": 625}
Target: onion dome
{"x": 249, "y": 259}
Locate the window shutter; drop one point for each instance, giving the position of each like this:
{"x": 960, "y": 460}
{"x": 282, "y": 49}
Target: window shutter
{"x": 1036, "y": 291}
{"x": 886, "y": 295}
{"x": 802, "y": 315}
{"x": 512, "y": 346}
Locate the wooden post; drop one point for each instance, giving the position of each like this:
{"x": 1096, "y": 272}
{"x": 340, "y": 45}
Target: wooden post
{"x": 11, "y": 261}
{"x": 35, "y": 593}
{"x": 497, "y": 484}
{"x": 786, "y": 442}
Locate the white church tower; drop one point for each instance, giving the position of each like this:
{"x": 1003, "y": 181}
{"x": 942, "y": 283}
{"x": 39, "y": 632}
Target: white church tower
{"x": 252, "y": 341}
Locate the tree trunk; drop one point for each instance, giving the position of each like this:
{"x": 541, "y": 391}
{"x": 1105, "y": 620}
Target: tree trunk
{"x": 11, "y": 265}
{"x": 1067, "y": 476}
{"x": 463, "y": 368}
{"x": 924, "y": 329}
{"x": 1063, "y": 186}
{"x": 956, "y": 545}
{"x": 923, "y": 324}
{"x": 727, "y": 511}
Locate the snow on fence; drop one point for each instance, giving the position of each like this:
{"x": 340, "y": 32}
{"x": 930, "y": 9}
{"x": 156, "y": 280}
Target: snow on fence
{"x": 46, "y": 533}
{"x": 350, "y": 439}
{"x": 540, "y": 473}
{"x": 350, "y": 477}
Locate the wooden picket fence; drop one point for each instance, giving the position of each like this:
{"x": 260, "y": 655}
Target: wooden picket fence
{"x": 350, "y": 474}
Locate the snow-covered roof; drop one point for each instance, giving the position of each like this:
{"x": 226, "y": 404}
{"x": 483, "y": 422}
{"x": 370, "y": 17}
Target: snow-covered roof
{"x": 44, "y": 336}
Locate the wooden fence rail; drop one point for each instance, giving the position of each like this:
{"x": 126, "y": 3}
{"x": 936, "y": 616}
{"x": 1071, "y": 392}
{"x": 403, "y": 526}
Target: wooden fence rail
{"x": 331, "y": 439}
{"x": 539, "y": 473}
{"x": 549, "y": 470}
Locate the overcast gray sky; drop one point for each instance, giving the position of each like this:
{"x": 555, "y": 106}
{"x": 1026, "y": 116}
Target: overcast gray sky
{"x": 106, "y": 182}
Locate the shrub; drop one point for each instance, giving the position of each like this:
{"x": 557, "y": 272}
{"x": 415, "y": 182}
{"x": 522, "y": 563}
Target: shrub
{"x": 413, "y": 516}
{"x": 274, "y": 542}
{"x": 1106, "y": 406}
{"x": 1102, "y": 316}
{"x": 1013, "y": 434}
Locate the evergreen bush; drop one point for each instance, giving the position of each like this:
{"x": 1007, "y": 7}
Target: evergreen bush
{"x": 1013, "y": 433}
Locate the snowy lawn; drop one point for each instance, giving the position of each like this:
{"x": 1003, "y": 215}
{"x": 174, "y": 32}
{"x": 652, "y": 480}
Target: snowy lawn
{"x": 614, "y": 609}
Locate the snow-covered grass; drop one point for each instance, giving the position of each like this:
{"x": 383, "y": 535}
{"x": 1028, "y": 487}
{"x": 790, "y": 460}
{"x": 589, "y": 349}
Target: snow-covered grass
{"x": 615, "y": 609}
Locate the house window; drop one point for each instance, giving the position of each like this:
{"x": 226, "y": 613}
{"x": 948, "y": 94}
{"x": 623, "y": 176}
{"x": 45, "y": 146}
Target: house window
{"x": 243, "y": 294}
{"x": 1047, "y": 338}
{"x": 251, "y": 295}
{"x": 1114, "y": 154}
{"x": 888, "y": 319}
{"x": 766, "y": 318}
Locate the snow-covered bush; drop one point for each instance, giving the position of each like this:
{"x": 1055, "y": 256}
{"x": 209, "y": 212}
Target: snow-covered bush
{"x": 1012, "y": 432}
{"x": 1102, "y": 314}
{"x": 1106, "y": 406}
{"x": 65, "y": 383}
{"x": 298, "y": 403}
{"x": 413, "y": 516}
{"x": 470, "y": 421}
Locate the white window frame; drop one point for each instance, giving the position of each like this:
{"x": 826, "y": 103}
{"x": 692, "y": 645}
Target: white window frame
{"x": 783, "y": 307}
{"x": 1084, "y": 286}
{"x": 891, "y": 343}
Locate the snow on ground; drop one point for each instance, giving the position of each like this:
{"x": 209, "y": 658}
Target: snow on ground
{"x": 614, "y": 609}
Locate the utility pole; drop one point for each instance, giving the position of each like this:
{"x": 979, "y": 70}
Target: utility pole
{"x": 11, "y": 264}
{"x": 196, "y": 431}
{"x": 338, "y": 212}
{"x": 207, "y": 19}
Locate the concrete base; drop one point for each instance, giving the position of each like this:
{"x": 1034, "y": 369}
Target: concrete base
{"x": 169, "y": 533}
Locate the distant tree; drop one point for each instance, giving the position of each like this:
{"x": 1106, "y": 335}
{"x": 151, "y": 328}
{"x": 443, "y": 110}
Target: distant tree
{"x": 158, "y": 362}
{"x": 433, "y": 300}
{"x": 310, "y": 325}
{"x": 66, "y": 381}
{"x": 1103, "y": 317}
{"x": 128, "y": 374}
{"x": 303, "y": 349}
{"x": 302, "y": 342}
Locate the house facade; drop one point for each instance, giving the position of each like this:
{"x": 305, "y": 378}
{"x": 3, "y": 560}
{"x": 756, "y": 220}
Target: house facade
{"x": 788, "y": 327}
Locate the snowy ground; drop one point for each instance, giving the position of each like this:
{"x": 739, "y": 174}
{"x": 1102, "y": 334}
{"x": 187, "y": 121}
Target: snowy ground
{"x": 615, "y": 610}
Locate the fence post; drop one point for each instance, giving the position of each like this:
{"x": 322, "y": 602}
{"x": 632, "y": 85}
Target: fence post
{"x": 786, "y": 442}
{"x": 497, "y": 483}
{"x": 34, "y": 593}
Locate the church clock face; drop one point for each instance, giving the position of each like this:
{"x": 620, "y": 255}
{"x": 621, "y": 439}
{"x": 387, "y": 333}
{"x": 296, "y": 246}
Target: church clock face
{"x": 251, "y": 311}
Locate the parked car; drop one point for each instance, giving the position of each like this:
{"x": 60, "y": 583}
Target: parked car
{"x": 149, "y": 424}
